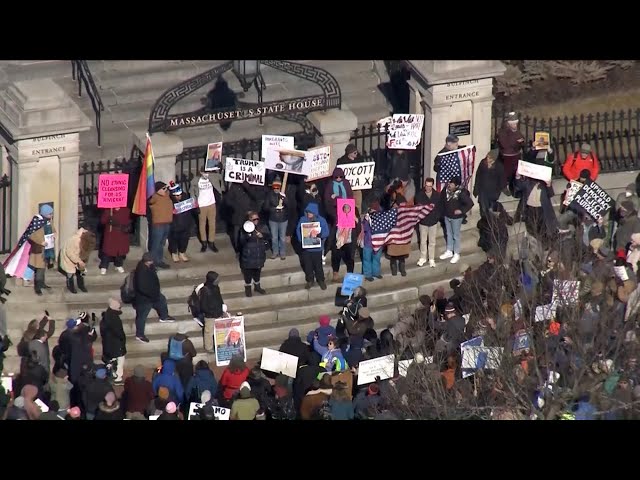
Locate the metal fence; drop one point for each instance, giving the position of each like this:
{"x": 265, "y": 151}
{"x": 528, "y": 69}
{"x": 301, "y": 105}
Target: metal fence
{"x": 5, "y": 220}
{"x": 613, "y": 136}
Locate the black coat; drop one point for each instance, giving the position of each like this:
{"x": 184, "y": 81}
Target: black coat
{"x": 146, "y": 283}
{"x": 211, "y": 301}
{"x": 114, "y": 340}
{"x": 398, "y": 166}
{"x": 242, "y": 199}
{"x": 94, "y": 392}
{"x": 296, "y": 347}
{"x": 523, "y": 189}
{"x": 489, "y": 181}
{"x": 80, "y": 342}
{"x": 460, "y": 201}
{"x": 422, "y": 199}
{"x": 494, "y": 232}
{"x": 270, "y": 204}
{"x": 114, "y": 412}
{"x": 253, "y": 250}
{"x": 182, "y": 222}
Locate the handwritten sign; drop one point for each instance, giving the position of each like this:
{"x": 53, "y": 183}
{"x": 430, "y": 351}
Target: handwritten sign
{"x": 276, "y": 142}
{"x": 565, "y": 292}
{"x": 350, "y": 283}
{"x": 49, "y": 241}
{"x": 184, "y": 206}
{"x": 239, "y": 170}
{"x": 113, "y": 190}
{"x": 378, "y": 367}
{"x": 279, "y": 362}
{"x": 592, "y": 199}
{"x": 531, "y": 170}
{"x": 480, "y": 358}
{"x": 220, "y": 413}
{"x": 310, "y": 233}
{"x": 545, "y": 312}
{"x": 621, "y": 273}
{"x": 570, "y": 193}
{"x": 360, "y": 175}
{"x": 318, "y": 162}
{"x": 405, "y": 132}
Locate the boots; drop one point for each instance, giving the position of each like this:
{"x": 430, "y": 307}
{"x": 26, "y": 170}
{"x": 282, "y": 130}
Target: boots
{"x": 203, "y": 248}
{"x": 247, "y": 291}
{"x": 403, "y": 272}
{"x": 81, "y": 286}
{"x": 183, "y": 257}
{"x": 259, "y": 289}
{"x": 70, "y": 285}
{"x": 175, "y": 257}
{"x": 393, "y": 263}
{"x": 213, "y": 247}
{"x": 336, "y": 277}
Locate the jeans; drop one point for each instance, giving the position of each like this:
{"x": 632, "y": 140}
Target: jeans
{"x": 278, "y": 234}
{"x": 159, "y": 235}
{"x": 428, "y": 234}
{"x": 143, "y": 307}
{"x": 453, "y": 226}
{"x": 371, "y": 262}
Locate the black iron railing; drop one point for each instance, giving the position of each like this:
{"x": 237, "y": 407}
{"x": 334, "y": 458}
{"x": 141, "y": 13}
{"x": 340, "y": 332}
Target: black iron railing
{"x": 5, "y": 220}
{"x": 81, "y": 73}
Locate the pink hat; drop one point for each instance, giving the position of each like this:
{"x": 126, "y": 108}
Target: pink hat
{"x": 74, "y": 412}
{"x": 325, "y": 320}
{"x": 171, "y": 407}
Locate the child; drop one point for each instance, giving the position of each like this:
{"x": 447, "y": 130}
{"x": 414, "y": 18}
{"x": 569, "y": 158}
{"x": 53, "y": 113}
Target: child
{"x": 323, "y": 331}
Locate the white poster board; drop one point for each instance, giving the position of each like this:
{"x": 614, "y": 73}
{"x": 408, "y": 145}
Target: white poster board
{"x": 405, "y": 132}
{"x": 492, "y": 358}
{"x": 239, "y": 170}
{"x": 571, "y": 191}
{"x": 621, "y": 273}
{"x": 7, "y": 383}
{"x": 153, "y": 417}
{"x": 270, "y": 142}
{"x": 318, "y": 162}
{"x": 360, "y": 175}
{"x": 565, "y": 292}
{"x": 219, "y": 412}
{"x": 279, "y": 362}
{"x": 531, "y": 170}
{"x": 545, "y": 312}
{"x": 287, "y": 161}
{"x": 378, "y": 367}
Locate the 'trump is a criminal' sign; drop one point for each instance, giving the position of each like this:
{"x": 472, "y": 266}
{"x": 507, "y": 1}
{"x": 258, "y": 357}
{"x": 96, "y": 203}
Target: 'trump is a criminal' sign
{"x": 239, "y": 170}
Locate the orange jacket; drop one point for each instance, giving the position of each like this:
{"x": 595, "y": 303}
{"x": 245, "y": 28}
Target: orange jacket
{"x": 574, "y": 164}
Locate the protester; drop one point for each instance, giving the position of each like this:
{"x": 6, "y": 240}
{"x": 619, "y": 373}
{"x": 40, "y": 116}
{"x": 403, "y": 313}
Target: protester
{"x": 351, "y": 156}
{"x": 312, "y": 255}
{"x": 370, "y": 259}
{"x": 454, "y": 204}
{"x": 340, "y": 406}
{"x": 244, "y": 407}
{"x": 315, "y": 398}
{"x": 109, "y": 408}
{"x": 628, "y": 224}
{"x": 494, "y": 234}
{"x": 74, "y": 255}
{"x": 115, "y": 240}
{"x": 367, "y": 402}
{"x": 294, "y": 345}
{"x": 61, "y": 388}
{"x": 582, "y": 159}
{"x": 114, "y": 340}
{"x": 489, "y": 181}
{"x": 428, "y": 225}
{"x": 280, "y": 405}
{"x": 181, "y": 350}
{"x": 399, "y": 167}
{"x": 535, "y": 209}
{"x": 138, "y": 392}
{"x": 181, "y": 226}
{"x": 242, "y": 198}
{"x": 323, "y": 332}
{"x": 211, "y": 307}
{"x": 252, "y": 244}
{"x": 94, "y": 392}
{"x": 332, "y": 358}
{"x": 510, "y": 143}
{"x": 277, "y": 207}
{"x": 202, "y": 381}
{"x": 39, "y": 340}
{"x": 170, "y": 412}
{"x": 204, "y": 193}
{"x": 231, "y": 379}
{"x": 170, "y": 380}
{"x": 451, "y": 144}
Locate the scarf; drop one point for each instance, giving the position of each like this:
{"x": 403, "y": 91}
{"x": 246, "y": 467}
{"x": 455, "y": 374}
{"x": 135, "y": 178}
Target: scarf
{"x": 339, "y": 190}
{"x": 49, "y": 253}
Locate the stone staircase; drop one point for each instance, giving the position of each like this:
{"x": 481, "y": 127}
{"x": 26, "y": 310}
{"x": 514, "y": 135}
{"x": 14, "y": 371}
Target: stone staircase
{"x": 129, "y": 88}
{"x": 268, "y": 318}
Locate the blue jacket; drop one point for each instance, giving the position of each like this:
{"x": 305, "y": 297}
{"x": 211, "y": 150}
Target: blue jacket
{"x": 323, "y": 335}
{"x": 168, "y": 378}
{"x": 331, "y": 358}
{"x": 324, "y": 227}
{"x": 204, "y": 379}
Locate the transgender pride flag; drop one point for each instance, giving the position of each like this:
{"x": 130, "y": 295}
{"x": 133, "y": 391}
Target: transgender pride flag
{"x": 146, "y": 184}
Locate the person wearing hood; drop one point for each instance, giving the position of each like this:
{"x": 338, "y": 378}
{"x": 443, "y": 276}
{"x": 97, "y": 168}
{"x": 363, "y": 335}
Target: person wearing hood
{"x": 205, "y": 195}
{"x": 582, "y": 159}
{"x": 167, "y": 378}
{"x": 455, "y": 203}
{"x": 138, "y": 392}
{"x": 109, "y": 408}
{"x": 332, "y": 358}
{"x": 114, "y": 340}
{"x": 294, "y": 345}
{"x": 494, "y": 234}
{"x": 81, "y": 339}
{"x": 242, "y": 198}
{"x": 115, "y": 240}
{"x": 181, "y": 226}
{"x": 489, "y": 181}
{"x": 628, "y": 224}
{"x": 316, "y": 397}
{"x": 312, "y": 256}
{"x": 232, "y": 378}
{"x": 181, "y": 350}
{"x": 203, "y": 380}
{"x": 245, "y": 406}
{"x": 323, "y": 332}
{"x": 161, "y": 208}
{"x": 74, "y": 255}
{"x": 277, "y": 207}
{"x": 371, "y": 259}
{"x": 94, "y": 392}
{"x": 211, "y": 307}
{"x": 259, "y": 384}
{"x": 253, "y": 242}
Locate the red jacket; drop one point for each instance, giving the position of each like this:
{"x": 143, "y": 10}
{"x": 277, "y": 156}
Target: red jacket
{"x": 231, "y": 382}
{"x": 574, "y": 164}
{"x": 116, "y": 236}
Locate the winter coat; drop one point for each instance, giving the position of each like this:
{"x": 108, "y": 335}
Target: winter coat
{"x": 324, "y": 226}
{"x": 435, "y": 214}
{"x": 331, "y": 359}
{"x": 74, "y": 250}
{"x": 312, "y": 402}
{"x": 494, "y": 232}
{"x": 459, "y": 200}
{"x": 42, "y": 351}
{"x": 627, "y": 226}
{"x": 113, "y": 412}
{"x": 574, "y": 164}
{"x": 242, "y": 199}
{"x": 115, "y": 240}
{"x": 211, "y": 301}
{"x": 81, "y": 351}
{"x": 633, "y": 198}
{"x": 271, "y": 202}
{"x": 114, "y": 340}
{"x": 161, "y": 209}
{"x": 204, "y": 379}
{"x": 146, "y": 283}
{"x": 364, "y": 402}
{"x": 182, "y": 222}
{"x": 523, "y": 189}
{"x": 305, "y": 378}
{"x": 137, "y": 395}
{"x": 330, "y": 204}
{"x": 60, "y": 390}
{"x": 341, "y": 410}
{"x": 508, "y": 141}
{"x": 489, "y": 181}
{"x": 323, "y": 335}
{"x": 253, "y": 249}
{"x": 36, "y": 255}
{"x": 168, "y": 378}
{"x": 296, "y": 347}
{"x": 230, "y": 382}
{"x": 94, "y": 392}
{"x": 281, "y": 406}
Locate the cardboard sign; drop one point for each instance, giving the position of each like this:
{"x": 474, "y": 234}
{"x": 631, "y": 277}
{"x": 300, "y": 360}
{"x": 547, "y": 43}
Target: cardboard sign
{"x": 213, "y": 160}
{"x": 184, "y": 206}
{"x": 228, "y": 337}
{"x": 531, "y": 170}
{"x": 318, "y": 162}
{"x": 360, "y": 175}
{"x": 378, "y": 367}
{"x": 276, "y": 142}
{"x": 570, "y": 193}
{"x": 346, "y": 212}
{"x": 310, "y": 233}
{"x": 481, "y": 358}
{"x": 621, "y": 273}
{"x": 350, "y": 283}
{"x": 405, "y": 132}
{"x": 592, "y": 199}
{"x": 287, "y": 161}
{"x": 279, "y": 362}
{"x": 220, "y": 413}
{"x": 541, "y": 140}
{"x": 113, "y": 190}
{"x": 239, "y": 170}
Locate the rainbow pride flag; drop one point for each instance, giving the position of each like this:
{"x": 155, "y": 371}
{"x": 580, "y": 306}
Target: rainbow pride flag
{"x": 146, "y": 184}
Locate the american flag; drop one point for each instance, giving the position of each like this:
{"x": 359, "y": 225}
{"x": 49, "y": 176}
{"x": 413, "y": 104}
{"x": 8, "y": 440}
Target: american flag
{"x": 36, "y": 223}
{"x": 396, "y": 225}
{"x": 457, "y": 163}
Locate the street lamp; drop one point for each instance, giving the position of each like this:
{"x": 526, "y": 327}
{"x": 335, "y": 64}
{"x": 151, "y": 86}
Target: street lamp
{"x": 246, "y": 71}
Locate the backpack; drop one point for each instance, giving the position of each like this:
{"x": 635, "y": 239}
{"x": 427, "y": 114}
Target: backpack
{"x": 127, "y": 290}
{"x": 193, "y": 302}
{"x": 175, "y": 349}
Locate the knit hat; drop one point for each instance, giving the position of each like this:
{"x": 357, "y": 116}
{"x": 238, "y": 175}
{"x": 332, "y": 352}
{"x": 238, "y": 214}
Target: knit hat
{"x": 205, "y": 396}
{"x": 512, "y": 117}
{"x": 72, "y": 323}
{"x": 110, "y": 398}
{"x": 182, "y": 328}
{"x": 245, "y": 391}
{"x": 114, "y": 304}
{"x": 163, "y": 393}
{"x": 61, "y": 373}
{"x": 175, "y": 189}
{"x": 160, "y": 185}
{"x": 46, "y": 210}
{"x": 419, "y": 358}
{"x": 101, "y": 373}
{"x": 585, "y": 148}
{"x": 171, "y": 407}
{"x": 73, "y": 412}
{"x": 455, "y": 180}
{"x": 138, "y": 371}
{"x": 293, "y": 333}
{"x": 450, "y": 308}
{"x": 325, "y": 320}
{"x": 452, "y": 139}
{"x": 364, "y": 312}
{"x": 350, "y": 149}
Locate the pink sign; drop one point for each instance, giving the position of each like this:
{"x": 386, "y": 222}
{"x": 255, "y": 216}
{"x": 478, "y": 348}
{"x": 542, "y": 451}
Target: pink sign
{"x": 346, "y": 212}
{"x": 113, "y": 190}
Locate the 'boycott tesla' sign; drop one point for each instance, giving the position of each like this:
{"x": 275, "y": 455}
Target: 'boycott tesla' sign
{"x": 360, "y": 175}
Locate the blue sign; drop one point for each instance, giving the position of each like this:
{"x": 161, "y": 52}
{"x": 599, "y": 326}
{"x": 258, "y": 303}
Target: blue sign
{"x": 350, "y": 283}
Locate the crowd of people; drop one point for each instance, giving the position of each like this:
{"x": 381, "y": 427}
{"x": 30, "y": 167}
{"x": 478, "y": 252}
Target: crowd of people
{"x": 562, "y": 311}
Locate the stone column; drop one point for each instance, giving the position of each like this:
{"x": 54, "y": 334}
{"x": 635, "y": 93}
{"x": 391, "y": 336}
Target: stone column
{"x": 335, "y": 128}
{"x": 42, "y": 123}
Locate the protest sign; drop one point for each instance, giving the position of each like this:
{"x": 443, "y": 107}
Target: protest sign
{"x": 474, "y": 342}
{"x": 378, "y": 367}
{"x": 531, "y": 170}
{"x": 228, "y": 336}
{"x": 286, "y": 161}
{"x": 405, "y": 132}
{"x": 310, "y": 233}
{"x": 276, "y": 142}
{"x": 541, "y": 140}
{"x": 346, "y": 212}
{"x": 545, "y": 312}
{"x": 43, "y": 406}
{"x": 220, "y": 413}
{"x": 113, "y": 190}
{"x": 239, "y": 170}
{"x": 571, "y": 191}
{"x": 350, "y": 283}
{"x": 279, "y": 362}
{"x": 521, "y": 342}
{"x": 185, "y": 206}
{"x": 592, "y": 199}
{"x": 153, "y": 417}
{"x": 403, "y": 366}
{"x": 480, "y": 358}
{"x": 213, "y": 160}
{"x": 318, "y": 162}
{"x": 621, "y": 273}
{"x": 7, "y": 383}
{"x": 517, "y": 310}
{"x": 565, "y": 292}
{"x": 360, "y": 175}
